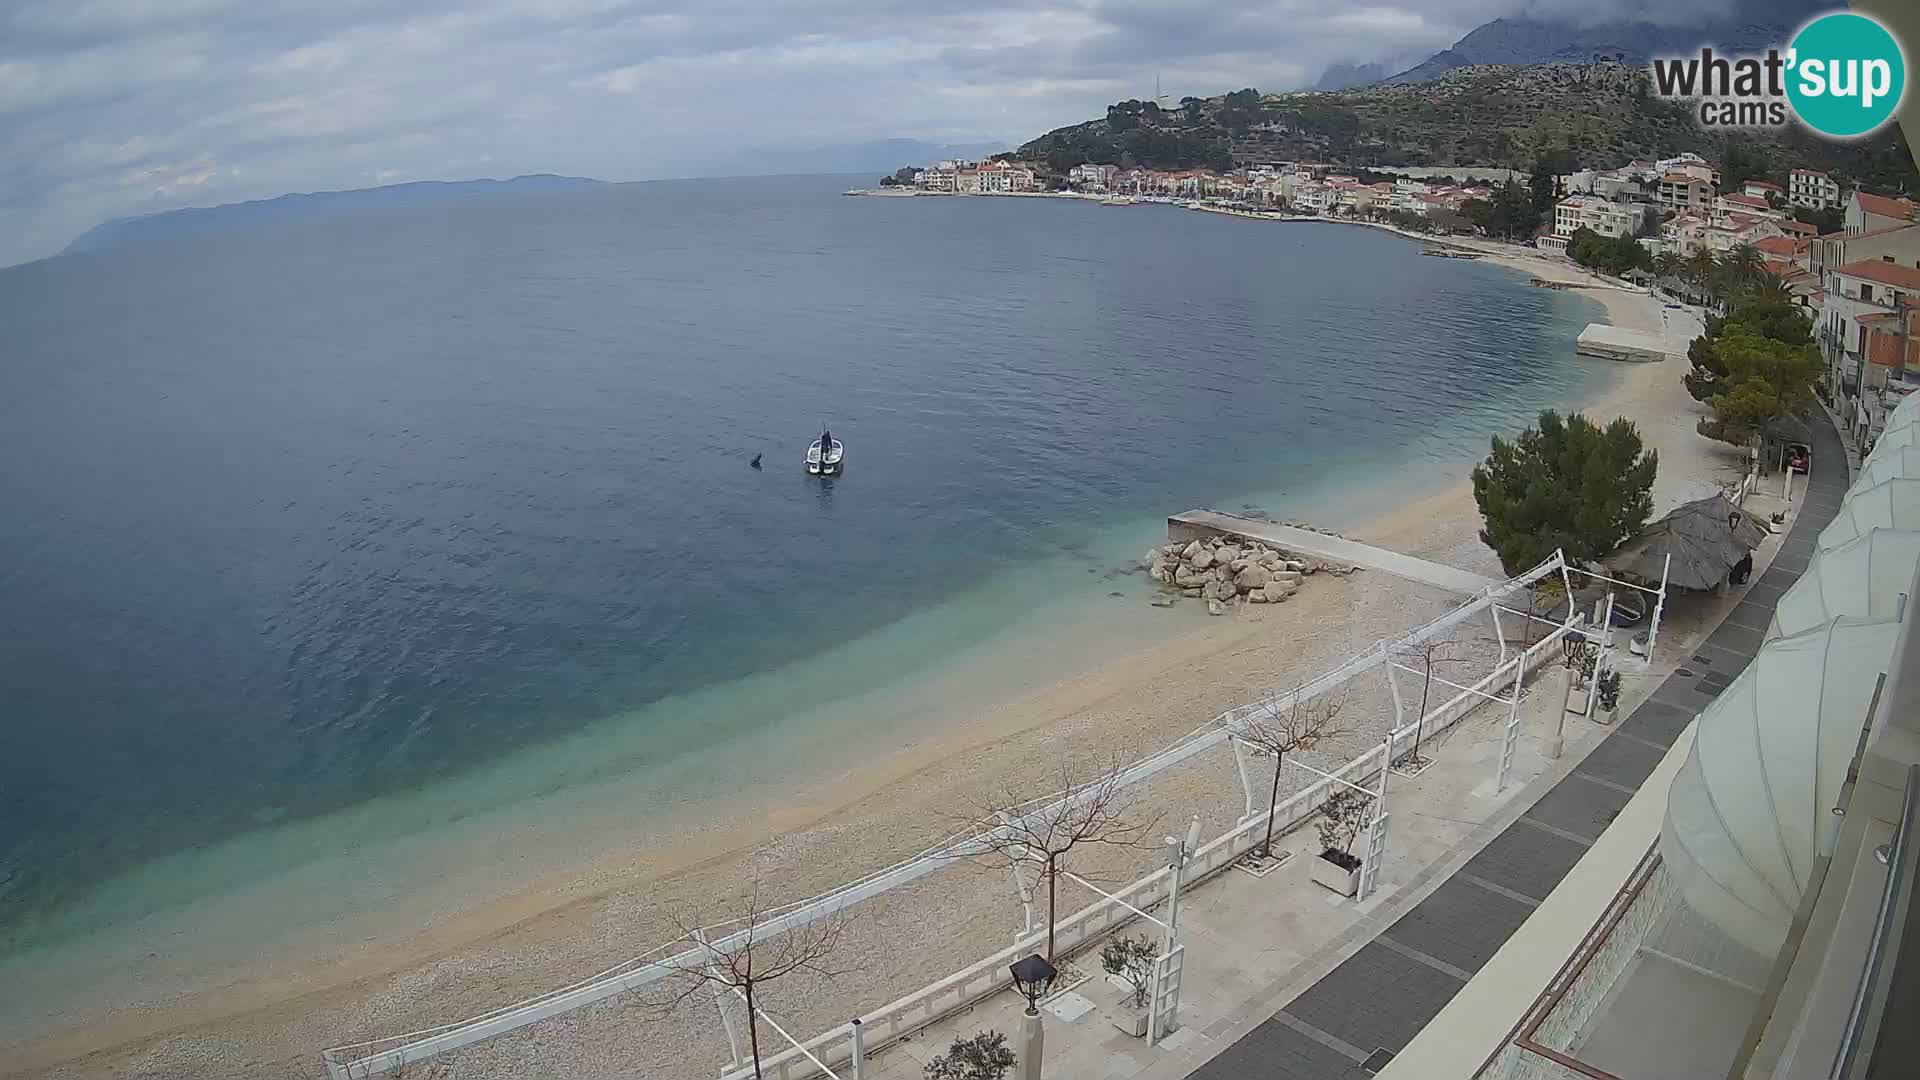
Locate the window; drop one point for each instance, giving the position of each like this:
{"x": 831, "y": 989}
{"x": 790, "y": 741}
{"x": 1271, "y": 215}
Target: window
{"x": 1866, "y": 292}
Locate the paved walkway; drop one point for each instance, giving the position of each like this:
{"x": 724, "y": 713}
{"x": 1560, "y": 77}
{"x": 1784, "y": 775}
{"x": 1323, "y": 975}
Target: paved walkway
{"x": 1331, "y": 548}
{"x": 1349, "y": 1024}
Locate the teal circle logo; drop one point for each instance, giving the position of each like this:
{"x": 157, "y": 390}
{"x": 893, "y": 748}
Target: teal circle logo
{"x": 1846, "y": 75}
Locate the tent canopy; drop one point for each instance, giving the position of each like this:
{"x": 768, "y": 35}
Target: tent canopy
{"x": 1890, "y": 504}
{"x": 1751, "y": 809}
{"x": 1903, "y": 463}
{"x": 1864, "y": 576}
{"x": 1705, "y": 537}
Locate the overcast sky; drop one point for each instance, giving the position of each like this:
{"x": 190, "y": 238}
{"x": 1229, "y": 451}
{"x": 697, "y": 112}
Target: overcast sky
{"x": 118, "y": 107}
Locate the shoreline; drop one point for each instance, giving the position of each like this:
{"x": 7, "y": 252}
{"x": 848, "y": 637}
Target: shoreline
{"x": 582, "y": 916}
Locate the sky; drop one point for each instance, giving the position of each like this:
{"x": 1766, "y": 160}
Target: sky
{"x": 110, "y": 108}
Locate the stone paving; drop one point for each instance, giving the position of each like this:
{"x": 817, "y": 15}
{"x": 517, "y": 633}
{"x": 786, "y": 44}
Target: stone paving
{"x": 1351, "y": 1022}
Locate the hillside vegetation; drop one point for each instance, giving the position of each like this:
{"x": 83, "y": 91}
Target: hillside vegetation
{"x": 1574, "y": 115}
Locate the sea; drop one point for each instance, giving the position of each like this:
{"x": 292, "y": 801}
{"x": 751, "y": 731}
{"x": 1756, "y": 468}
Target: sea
{"x": 325, "y": 541}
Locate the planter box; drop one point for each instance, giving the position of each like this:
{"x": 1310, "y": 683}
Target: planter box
{"x": 1129, "y": 1019}
{"x": 1336, "y": 877}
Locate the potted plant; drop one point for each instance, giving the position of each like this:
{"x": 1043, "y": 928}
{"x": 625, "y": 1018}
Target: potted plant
{"x": 1131, "y": 961}
{"x": 984, "y": 1055}
{"x": 1341, "y": 818}
{"x": 1608, "y": 690}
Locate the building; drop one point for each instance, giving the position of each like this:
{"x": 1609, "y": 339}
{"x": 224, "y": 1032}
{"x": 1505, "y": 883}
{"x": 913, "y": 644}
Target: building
{"x": 1853, "y": 293}
{"x": 1092, "y": 177}
{"x": 1691, "y": 165}
{"x": 1813, "y": 189}
{"x": 1867, "y": 212}
{"x": 1762, "y": 189}
{"x": 1684, "y": 191}
{"x": 1600, "y": 215}
{"x": 1750, "y": 205}
{"x": 1893, "y": 341}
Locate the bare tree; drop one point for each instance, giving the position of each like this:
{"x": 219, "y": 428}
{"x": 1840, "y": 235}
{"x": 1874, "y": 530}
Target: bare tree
{"x": 1432, "y": 653}
{"x": 740, "y": 968}
{"x": 1091, "y": 809}
{"x": 1276, "y": 731}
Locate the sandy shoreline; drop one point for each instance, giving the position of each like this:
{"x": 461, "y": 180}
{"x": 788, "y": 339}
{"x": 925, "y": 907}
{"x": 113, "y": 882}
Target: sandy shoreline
{"x": 272, "y": 1021}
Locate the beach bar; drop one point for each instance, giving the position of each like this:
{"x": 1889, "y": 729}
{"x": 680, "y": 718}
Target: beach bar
{"x": 1618, "y": 343}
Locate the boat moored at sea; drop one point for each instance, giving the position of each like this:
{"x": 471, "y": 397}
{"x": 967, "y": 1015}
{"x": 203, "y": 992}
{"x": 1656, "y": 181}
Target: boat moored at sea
{"x": 825, "y": 463}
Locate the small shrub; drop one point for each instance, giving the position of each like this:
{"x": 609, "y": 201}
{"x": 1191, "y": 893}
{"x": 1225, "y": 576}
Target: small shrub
{"x": 1341, "y": 818}
{"x": 981, "y": 1056}
{"x": 1609, "y": 689}
{"x": 1132, "y": 959}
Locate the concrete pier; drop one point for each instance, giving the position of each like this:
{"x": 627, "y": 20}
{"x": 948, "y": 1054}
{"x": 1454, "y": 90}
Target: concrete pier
{"x": 1196, "y": 524}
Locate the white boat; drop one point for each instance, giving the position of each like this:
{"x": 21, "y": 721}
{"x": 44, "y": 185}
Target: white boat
{"x": 1117, "y": 200}
{"x": 827, "y": 464}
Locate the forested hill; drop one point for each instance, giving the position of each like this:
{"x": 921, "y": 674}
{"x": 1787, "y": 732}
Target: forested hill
{"x": 1574, "y": 115}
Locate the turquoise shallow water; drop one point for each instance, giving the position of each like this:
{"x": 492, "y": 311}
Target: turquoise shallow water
{"x": 369, "y": 548}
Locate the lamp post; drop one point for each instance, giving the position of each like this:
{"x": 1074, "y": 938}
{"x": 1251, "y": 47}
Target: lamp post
{"x": 1032, "y": 976}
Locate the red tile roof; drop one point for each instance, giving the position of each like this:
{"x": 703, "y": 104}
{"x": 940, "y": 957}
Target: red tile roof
{"x": 1882, "y": 206}
{"x": 1754, "y": 201}
{"x": 1800, "y": 227}
{"x": 1886, "y": 273}
{"x": 1762, "y": 184}
{"x": 1784, "y": 246}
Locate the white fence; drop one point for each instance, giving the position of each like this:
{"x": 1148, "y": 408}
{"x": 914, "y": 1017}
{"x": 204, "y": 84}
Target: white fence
{"x": 1082, "y": 928}
{"x": 361, "y": 1061}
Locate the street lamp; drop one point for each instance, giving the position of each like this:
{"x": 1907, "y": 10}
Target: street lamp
{"x": 1032, "y": 976}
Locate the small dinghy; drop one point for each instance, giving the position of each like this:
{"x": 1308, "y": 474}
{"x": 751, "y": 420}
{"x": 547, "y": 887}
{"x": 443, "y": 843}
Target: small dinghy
{"x": 824, "y": 456}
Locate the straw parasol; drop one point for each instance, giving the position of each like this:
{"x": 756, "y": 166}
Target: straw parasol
{"x": 1706, "y": 538}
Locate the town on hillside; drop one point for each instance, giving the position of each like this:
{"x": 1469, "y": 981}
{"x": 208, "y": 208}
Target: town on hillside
{"x": 1847, "y": 258}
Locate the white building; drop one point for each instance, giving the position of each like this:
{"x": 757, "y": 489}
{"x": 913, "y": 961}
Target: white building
{"x": 1813, "y": 189}
{"x": 1092, "y": 177}
{"x": 1869, "y": 213}
{"x": 1600, "y": 215}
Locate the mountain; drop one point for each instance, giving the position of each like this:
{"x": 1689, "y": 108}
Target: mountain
{"x": 1753, "y": 27}
{"x": 1571, "y": 115}
{"x": 1347, "y": 76}
{"x": 135, "y": 230}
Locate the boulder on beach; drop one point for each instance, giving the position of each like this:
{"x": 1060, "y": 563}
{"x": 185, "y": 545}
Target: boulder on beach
{"x": 1227, "y": 553}
{"x": 1275, "y": 595}
{"x": 1159, "y": 573}
{"x": 1202, "y": 559}
{"x": 1191, "y": 594}
{"x": 1215, "y": 607}
{"x": 1252, "y": 577}
{"x": 1192, "y": 549}
{"x": 1257, "y": 596}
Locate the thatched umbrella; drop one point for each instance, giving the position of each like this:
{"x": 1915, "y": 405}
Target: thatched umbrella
{"x": 1706, "y": 538}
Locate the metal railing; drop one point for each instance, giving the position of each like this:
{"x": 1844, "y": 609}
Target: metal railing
{"x": 1870, "y": 994}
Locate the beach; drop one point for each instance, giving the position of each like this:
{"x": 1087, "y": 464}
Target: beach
{"x": 795, "y": 838}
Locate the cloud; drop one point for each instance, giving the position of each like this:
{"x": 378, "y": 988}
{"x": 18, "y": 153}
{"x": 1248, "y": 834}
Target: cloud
{"x": 117, "y": 107}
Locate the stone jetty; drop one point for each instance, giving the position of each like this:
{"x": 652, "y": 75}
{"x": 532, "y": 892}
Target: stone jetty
{"x": 1221, "y": 571}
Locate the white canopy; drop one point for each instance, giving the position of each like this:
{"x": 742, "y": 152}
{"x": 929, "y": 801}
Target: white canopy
{"x": 1750, "y": 809}
{"x": 1895, "y": 439}
{"x": 1896, "y": 464}
{"x": 1890, "y": 504}
{"x": 1905, "y": 411}
{"x": 1864, "y": 576}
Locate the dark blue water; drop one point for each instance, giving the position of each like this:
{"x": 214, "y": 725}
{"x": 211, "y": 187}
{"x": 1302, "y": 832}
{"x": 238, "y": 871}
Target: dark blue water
{"x": 297, "y": 516}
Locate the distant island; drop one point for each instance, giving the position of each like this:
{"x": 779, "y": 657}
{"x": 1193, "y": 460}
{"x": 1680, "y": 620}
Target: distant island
{"x": 303, "y": 206}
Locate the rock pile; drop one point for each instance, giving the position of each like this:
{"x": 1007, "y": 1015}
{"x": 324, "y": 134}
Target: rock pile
{"x": 1221, "y": 571}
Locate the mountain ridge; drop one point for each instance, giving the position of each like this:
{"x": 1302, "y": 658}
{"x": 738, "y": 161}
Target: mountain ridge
{"x": 140, "y": 228}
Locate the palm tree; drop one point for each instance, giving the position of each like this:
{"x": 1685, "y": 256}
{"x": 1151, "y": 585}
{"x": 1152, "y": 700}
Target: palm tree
{"x": 1666, "y": 268}
{"x": 1742, "y": 265}
{"x": 1700, "y": 266}
{"x": 1771, "y": 288}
